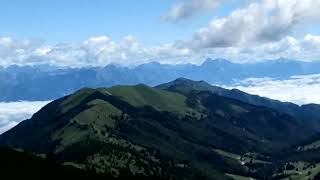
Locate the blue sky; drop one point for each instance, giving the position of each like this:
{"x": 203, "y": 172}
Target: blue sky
{"x": 95, "y": 32}
{"x": 76, "y": 20}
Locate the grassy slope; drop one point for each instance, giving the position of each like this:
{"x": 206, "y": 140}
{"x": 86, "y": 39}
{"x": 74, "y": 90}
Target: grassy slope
{"x": 85, "y": 137}
{"x": 88, "y": 122}
{"x": 75, "y": 99}
{"x": 237, "y": 177}
{"x": 142, "y": 95}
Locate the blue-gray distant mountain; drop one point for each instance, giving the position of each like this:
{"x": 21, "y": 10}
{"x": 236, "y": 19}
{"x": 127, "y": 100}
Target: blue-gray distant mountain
{"x": 48, "y": 82}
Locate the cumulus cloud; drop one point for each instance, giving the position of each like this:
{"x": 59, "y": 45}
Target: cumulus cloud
{"x": 305, "y": 48}
{"x": 188, "y": 8}
{"x": 95, "y": 51}
{"x": 11, "y": 113}
{"x": 258, "y": 22}
{"x": 260, "y": 30}
{"x": 297, "y": 89}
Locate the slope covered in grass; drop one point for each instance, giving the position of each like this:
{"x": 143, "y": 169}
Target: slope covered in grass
{"x": 144, "y": 131}
{"x": 142, "y": 95}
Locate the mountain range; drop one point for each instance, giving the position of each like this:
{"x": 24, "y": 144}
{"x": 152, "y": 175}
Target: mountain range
{"x": 183, "y": 129}
{"x": 42, "y": 82}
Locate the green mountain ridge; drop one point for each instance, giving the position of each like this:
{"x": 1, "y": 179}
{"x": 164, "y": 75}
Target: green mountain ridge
{"x": 309, "y": 113}
{"x": 158, "y": 132}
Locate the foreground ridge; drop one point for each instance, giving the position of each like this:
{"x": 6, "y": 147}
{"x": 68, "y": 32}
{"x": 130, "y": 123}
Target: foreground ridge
{"x": 182, "y": 130}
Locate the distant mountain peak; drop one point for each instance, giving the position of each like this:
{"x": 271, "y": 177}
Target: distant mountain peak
{"x": 181, "y": 80}
{"x": 150, "y": 64}
{"x": 185, "y": 81}
{"x": 185, "y": 86}
{"x": 218, "y": 60}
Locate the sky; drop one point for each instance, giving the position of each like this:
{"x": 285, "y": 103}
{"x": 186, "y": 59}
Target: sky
{"x": 76, "y": 20}
{"x": 100, "y": 32}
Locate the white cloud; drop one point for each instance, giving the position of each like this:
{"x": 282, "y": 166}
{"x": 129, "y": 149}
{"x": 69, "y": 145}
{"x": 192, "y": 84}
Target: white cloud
{"x": 6, "y": 41}
{"x": 41, "y": 51}
{"x": 97, "y": 40}
{"x": 188, "y": 8}
{"x": 95, "y": 51}
{"x": 289, "y": 47}
{"x": 260, "y": 30}
{"x": 259, "y": 22}
{"x": 102, "y": 50}
{"x": 297, "y": 89}
{"x": 11, "y": 113}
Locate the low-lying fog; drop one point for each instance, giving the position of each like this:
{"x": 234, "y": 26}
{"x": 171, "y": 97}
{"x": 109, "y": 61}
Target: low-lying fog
{"x": 11, "y": 113}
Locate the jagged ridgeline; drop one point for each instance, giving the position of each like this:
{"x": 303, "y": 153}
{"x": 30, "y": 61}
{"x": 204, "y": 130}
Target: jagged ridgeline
{"x": 180, "y": 130}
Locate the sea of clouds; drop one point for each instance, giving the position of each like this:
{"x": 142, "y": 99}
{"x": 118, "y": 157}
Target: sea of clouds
{"x": 11, "y": 113}
{"x": 302, "y": 89}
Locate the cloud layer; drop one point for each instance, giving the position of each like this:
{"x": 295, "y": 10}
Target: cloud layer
{"x": 12, "y": 113}
{"x": 102, "y": 50}
{"x": 188, "y": 8}
{"x": 95, "y": 51}
{"x": 298, "y": 89}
